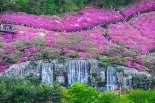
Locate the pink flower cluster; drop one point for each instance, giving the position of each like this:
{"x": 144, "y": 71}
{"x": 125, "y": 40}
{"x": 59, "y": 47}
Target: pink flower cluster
{"x": 138, "y": 66}
{"x": 138, "y": 32}
{"x": 86, "y": 18}
{"x": 143, "y": 6}
{"x": 90, "y": 39}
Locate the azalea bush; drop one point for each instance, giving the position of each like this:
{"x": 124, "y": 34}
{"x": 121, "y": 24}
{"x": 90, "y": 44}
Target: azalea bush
{"x": 68, "y": 22}
{"x": 122, "y": 55}
{"x": 135, "y": 32}
{"x": 143, "y": 6}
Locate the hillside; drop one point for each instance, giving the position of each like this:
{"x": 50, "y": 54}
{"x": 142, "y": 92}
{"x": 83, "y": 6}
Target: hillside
{"x": 124, "y": 36}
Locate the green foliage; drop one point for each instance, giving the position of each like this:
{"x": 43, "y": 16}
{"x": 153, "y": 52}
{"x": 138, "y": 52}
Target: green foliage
{"x": 14, "y": 58}
{"x": 88, "y": 43}
{"x": 53, "y": 7}
{"x": 80, "y": 93}
{"x": 116, "y": 54}
{"x": 53, "y": 54}
{"x": 18, "y": 43}
{"x": 1, "y": 43}
{"x": 140, "y": 96}
{"x": 18, "y": 90}
{"x": 113, "y": 49}
{"x": 75, "y": 39}
{"x": 125, "y": 99}
{"x": 33, "y": 63}
{"x": 92, "y": 52}
{"x": 133, "y": 52}
{"x": 43, "y": 6}
{"x": 14, "y": 90}
{"x": 61, "y": 43}
{"x": 101, "y": 64}
{"x": 98, "y": 79}
{"x": 141, "y": 81}
{"x": 38, "y": 56}
{"x": 119, "y": 58}
{"x": 69, "y": 7}
{"x": 73, "y": 55}
{"x": 108, "y": 97}
{"x": 120, "y": 70}
{"x": 33, "y": 79}
{"x": 116, "y": 3}
{"x": 94, "y": 74}
{"x": 106, "y": 59}
{"x": 37, "y": 41}
{"x": 149, "y": 61}
{"x": 11, "y": 58}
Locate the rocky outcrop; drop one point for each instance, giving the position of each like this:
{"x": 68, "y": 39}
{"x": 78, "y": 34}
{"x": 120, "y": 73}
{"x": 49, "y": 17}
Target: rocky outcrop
{"x": 81, "y": 70}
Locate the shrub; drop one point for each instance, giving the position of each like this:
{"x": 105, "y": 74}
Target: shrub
{"x": 15, "y": 90}
{"x": 33, "y": 79}
{"x": 107, "y": 60}
{"x": 141, "y": 96}
{"x": 38, "y": 56}
{"x": 11, "y": 58}
{"x": 80, "y": 93}
{"x": 37, "y": 41}
{"x": 53, "y": 54}
{"x": 43, "y": 6}
{"x": 4, "y": 94}
{"x": 22, "y": 93}
{"x": 33, "y": 63}
{"x": 108, "y": 97}
{"x": 73, "y": 55}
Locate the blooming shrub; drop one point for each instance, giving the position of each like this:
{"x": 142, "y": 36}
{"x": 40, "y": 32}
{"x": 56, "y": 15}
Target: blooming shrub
{"x": 144, "y": 5}
{"x": 138, "y": 32}
{"x": 89, "y": 17}
{"x": 43, "y": 44}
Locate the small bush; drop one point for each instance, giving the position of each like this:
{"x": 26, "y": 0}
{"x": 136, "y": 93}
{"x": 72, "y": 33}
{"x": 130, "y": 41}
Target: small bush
{"x": 38, "y": 56}
{"x": 53, "y": 54}
{"x": 10, "y": 59}
{"x": 73, "y": 55}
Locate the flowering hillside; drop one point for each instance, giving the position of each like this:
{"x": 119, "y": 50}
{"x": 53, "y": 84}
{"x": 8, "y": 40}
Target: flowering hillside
{"x": 87, "y": 17}
{"x": 39, "y": 41}
{"x": 138, "y": 32}
{"x": 145, "y": 5}
{"x": 129, "y": 43}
